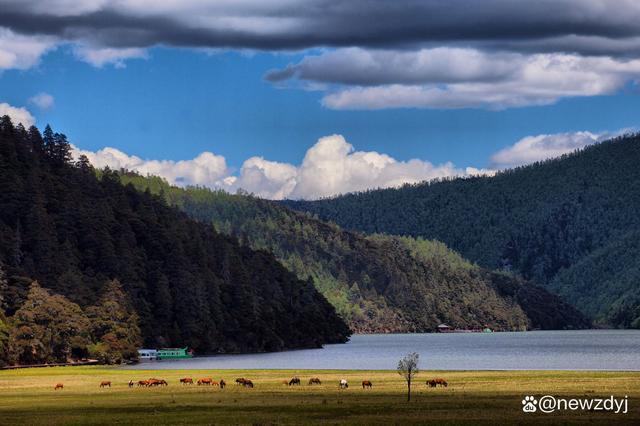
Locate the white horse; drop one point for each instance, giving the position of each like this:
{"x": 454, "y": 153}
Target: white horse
{"x": 343, "y": 384}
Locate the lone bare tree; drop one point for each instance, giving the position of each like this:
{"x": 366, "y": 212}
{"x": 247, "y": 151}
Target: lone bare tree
{"x": 408, "y": 368}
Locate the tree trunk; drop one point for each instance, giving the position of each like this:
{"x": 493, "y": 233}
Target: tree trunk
{"x": 409, "y": 390}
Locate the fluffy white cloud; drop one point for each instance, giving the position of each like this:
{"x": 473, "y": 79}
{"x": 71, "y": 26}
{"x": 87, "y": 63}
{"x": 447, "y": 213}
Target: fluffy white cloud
{"x": 22, "y": 52}
{"x": 266, "y": 179}
{"x": 17, "y": 114}
{"x": 206, "y": 169}
{"x": 330, "y": 167}
{"x": 448, "y": 78}
{"x": 541, "y": 147}
{"x": 101, "y": 56}
{"x": 42, "y": 100}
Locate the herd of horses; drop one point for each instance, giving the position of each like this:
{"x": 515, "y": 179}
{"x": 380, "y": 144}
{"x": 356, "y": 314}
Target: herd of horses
{"x": 241, "y": 381}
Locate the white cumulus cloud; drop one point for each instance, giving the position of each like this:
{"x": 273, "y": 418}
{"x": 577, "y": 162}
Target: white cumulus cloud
{"x": 332, "y": 166}
{"x": 101, "y": 56}
{"x": 207, "y": 169}
{"x": 439, "y": 78}
{"x": 22, "y": 52}
{"x": 42, "y": 100}
{"x": 17, "y": 114}
{"x": 541, "y": 147}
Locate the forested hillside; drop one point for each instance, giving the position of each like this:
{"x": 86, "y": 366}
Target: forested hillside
{"x": 377, "y": 283}
{"x": 568, "y": 223}
{"x": 167, "y": 280}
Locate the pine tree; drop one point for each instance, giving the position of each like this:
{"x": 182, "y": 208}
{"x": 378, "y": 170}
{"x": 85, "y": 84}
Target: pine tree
{"x": 114, "y": 325}
{"x": 48, "y": 142}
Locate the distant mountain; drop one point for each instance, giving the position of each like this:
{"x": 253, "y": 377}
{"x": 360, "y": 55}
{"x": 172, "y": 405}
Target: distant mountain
{"x": 377, "y": 283}
{"x": 189, "y": 285}
{"x": 569, "y": 224}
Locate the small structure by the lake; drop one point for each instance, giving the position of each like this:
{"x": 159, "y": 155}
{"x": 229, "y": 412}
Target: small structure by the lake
{"x": 174, "y": 353}
{"x": 164, "y": 353}
{"x": 147, "y": 354}
{"x": 444, "y": 328}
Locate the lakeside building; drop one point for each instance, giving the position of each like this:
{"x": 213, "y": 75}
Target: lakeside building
{"x": 164, "y": 353}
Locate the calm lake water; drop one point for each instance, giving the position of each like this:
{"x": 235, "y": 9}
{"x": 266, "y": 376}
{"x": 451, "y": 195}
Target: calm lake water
{"x": 533, "y": 350}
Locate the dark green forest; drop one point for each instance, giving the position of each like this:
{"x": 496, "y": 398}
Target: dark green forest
{"x": 90, "y": 267}
{"x": 570, "y": 224}
{"x": 377, "y": 283}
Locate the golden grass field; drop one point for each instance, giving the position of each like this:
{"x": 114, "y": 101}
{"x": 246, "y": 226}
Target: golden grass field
{"x": 473, "y": 397}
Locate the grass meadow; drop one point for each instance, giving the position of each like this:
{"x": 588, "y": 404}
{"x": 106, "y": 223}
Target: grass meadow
{"x": 27, "y": 396}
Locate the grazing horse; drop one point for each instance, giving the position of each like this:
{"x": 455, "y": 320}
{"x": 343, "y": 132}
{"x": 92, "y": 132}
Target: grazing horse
{"x": 248, "y": 383}
{"x": 105, "y": 383}
{"x": 186, "y": 381}
{"x": 131, "y": 383}
{"x": 315, "y": 381}
{"x": 435, "y": 382}
{"x": 143, "y": 383}
{"x": 205, "y": 381}
{"x": 240, "y": 381}
{"x": 58, "y": 386}
{"x": 366, "y": 384}
{"x": 343, "y": 384}
{"x": 222, "y": 383}
{"x": 294, "y": 381}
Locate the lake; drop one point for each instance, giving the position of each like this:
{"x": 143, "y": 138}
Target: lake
{"x": 531, "y": 350}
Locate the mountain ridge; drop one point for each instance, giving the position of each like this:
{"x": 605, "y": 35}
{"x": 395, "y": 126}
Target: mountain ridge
{"x": 536, "y": 220}
{"x": 378, "y": 283}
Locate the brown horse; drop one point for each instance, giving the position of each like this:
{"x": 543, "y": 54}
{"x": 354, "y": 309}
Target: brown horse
{"x": 366, "y": 384}
{"x": 240, "y": 381}
{"x": 294, "y": 381}
{"x": 248, "y": 383}
{"x": 315, "y": 381}
{"x": 437, "y": 382}
{"x": 208, "y": 381}
{"x": 143, "y": 383}
{"x": 105, "y": 383}
{"x": 157, "y": 382}
{"x": 186, "y": 381}
{"x": 58, "y": 386}
{"x": 285, "y": 382}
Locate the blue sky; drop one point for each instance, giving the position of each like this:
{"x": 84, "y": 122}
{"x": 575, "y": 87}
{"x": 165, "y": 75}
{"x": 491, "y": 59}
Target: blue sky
{"x": 441, "y": 102}
{"x": 178, "y": 103}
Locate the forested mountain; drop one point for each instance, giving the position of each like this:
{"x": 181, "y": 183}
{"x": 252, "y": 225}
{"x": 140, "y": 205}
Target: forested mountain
{"x": 570, "y": 224}
{"x": 91, "y": 242}
{"x": 377, "y": 283}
